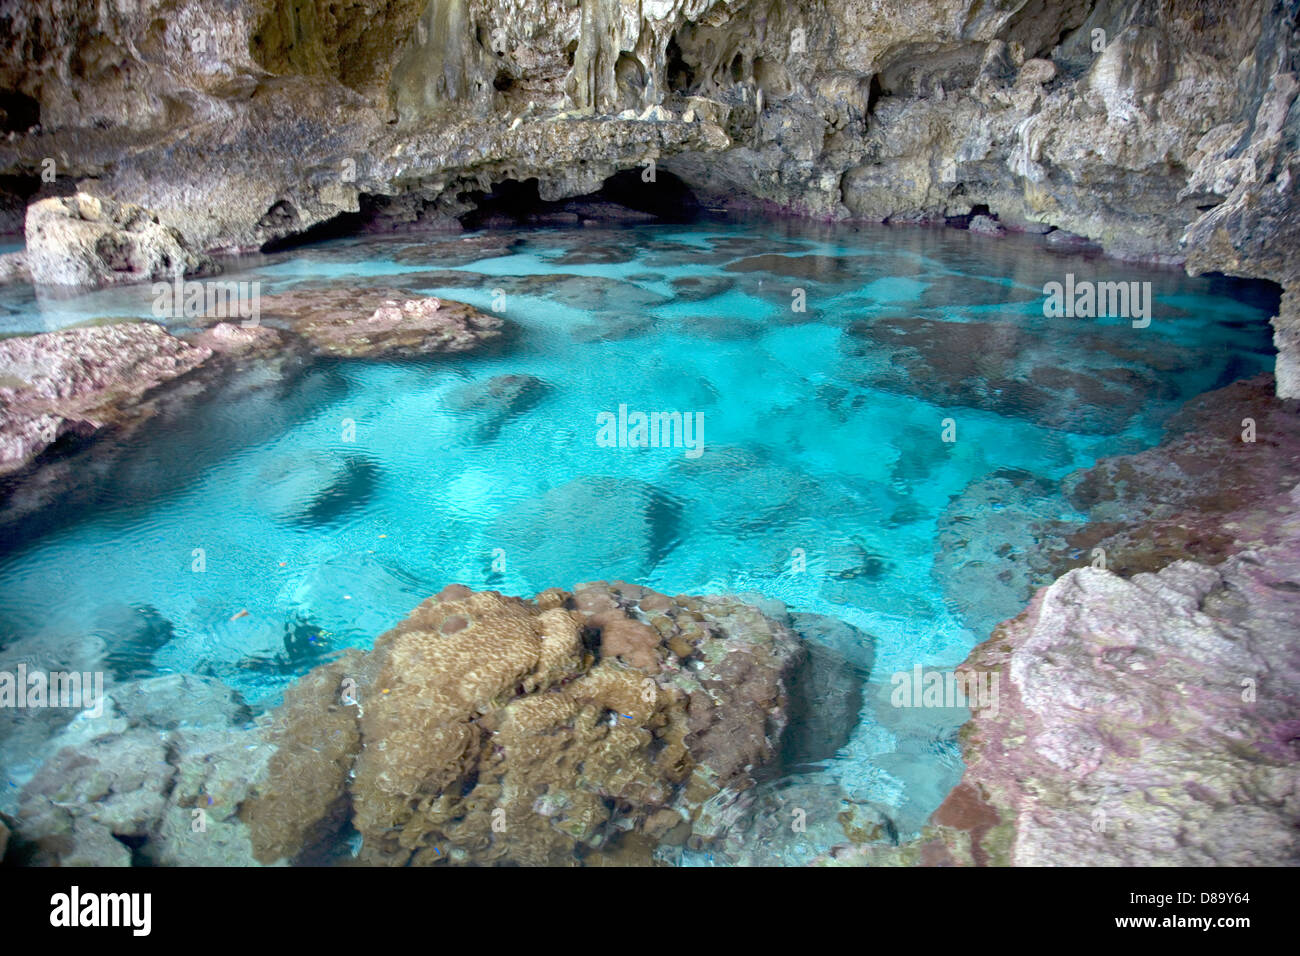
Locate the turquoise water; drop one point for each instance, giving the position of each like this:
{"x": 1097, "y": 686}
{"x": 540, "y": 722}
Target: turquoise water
{"x": 329, "y": 505}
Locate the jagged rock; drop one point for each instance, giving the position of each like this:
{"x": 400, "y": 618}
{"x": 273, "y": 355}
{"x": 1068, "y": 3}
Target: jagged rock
{"x": 1204, "y": 493}
{"x": 129, "y": 794}
{"x": 79, "y": 381}
{"x": 86, "y": 241}
{"x": 226, "y": 338}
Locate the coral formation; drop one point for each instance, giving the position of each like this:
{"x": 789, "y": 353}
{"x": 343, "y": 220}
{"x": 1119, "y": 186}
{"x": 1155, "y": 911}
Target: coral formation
{"x": 491, "y": 729}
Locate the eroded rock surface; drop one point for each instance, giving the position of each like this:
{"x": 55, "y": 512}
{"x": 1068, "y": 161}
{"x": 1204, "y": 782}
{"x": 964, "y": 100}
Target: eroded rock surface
{"x": 381, "y": 323}
{"x": 86, "y": 241}
{"x": 79, "y": 381}
{"x": 1210, "y": 490}
{"x": 1141, "y": 722}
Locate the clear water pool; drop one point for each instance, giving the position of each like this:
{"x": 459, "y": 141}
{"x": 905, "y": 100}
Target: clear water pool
{"x": 326, "y": 508}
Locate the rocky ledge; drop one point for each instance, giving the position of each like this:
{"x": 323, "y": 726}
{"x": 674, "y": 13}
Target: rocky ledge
{"x": 382, "y": 323}
{"x": 1147, "y": 714}
{"x": 78, "y": 381}
{"x": 74, "y": 383}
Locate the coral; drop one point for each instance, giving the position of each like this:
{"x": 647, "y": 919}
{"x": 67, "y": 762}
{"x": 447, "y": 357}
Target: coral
{"x": 120, "y": 789}
{"x": 488, "y": 730}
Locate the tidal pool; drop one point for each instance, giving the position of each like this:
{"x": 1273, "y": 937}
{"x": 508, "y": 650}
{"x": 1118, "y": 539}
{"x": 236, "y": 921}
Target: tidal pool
{"x": 822, "y": 369}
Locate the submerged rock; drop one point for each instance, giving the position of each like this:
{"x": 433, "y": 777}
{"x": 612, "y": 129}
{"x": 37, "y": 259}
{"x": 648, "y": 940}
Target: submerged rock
{"x": 1205, "y": 493}
{"x": 1000, "y": 368}
{"x": 612, "y": 526}
{"x": 381, "y": 323}
{"x": 86, "y": 241}
{"x": 131, "y": 637}
{"x": 489, "y": 405}
{"x": 78, "y": 381}
{"x": 697, "y": 288}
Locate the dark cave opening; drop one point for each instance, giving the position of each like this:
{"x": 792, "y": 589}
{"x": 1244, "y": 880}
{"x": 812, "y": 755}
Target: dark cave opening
{"x": 874, "y": 93}
{"x": 626, "y": 196}
{"x": 1259, "y": 293}
{"x": 338, "y": 227}
{"x": 18, "y": 112}
{"x": 681, "y": 78}
{"x": 666, "y": 197}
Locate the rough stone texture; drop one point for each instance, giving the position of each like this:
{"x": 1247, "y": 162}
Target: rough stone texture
{"x": 1204, "y": 493}
{"x": 1142, "y": 722}
{"x": 381, "y": 323}
{"x": 86, "y": 241}
{"x": 126, "y": 788}
{"x": 484, "y": 729}
{"x": 78, "y": 381}
{"x": 1164, "y": 132}
{"x": 13, "y": 268}
{"x": 1147, "y": 714}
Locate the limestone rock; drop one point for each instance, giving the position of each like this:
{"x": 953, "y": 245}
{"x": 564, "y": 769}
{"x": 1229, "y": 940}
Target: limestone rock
{"x": 79, "y": 381}
{"x": 374, "y": 323}
{"x": 1140, "y": 721}
{"x": 13, "y": 268}
{"x": 986, "y": 226}
{"x": 87, "y": 241}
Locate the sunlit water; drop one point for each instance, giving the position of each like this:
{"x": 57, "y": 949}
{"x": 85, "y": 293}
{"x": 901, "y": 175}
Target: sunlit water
{"x": 329, "y": 510}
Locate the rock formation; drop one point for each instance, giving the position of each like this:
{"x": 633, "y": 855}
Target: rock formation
{"x": 85, "y": 241}
{"x": 1146, "y": 714}
{"x": 1141, "y": 722}
{"x": 77, "y": 381}
{"x": 489, "y": 729}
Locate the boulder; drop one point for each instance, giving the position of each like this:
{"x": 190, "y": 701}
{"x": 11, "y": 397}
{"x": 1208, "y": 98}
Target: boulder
{"x": 482, "y": 730}
{"x": 83, "y": 240}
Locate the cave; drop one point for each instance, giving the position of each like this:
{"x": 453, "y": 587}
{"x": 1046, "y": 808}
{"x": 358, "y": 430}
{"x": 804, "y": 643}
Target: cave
{"x": 668, "y": 197}
{"x": 912, "y": 457}
{"x": 18, "y": 112}
{"x": 678, "y": 73}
